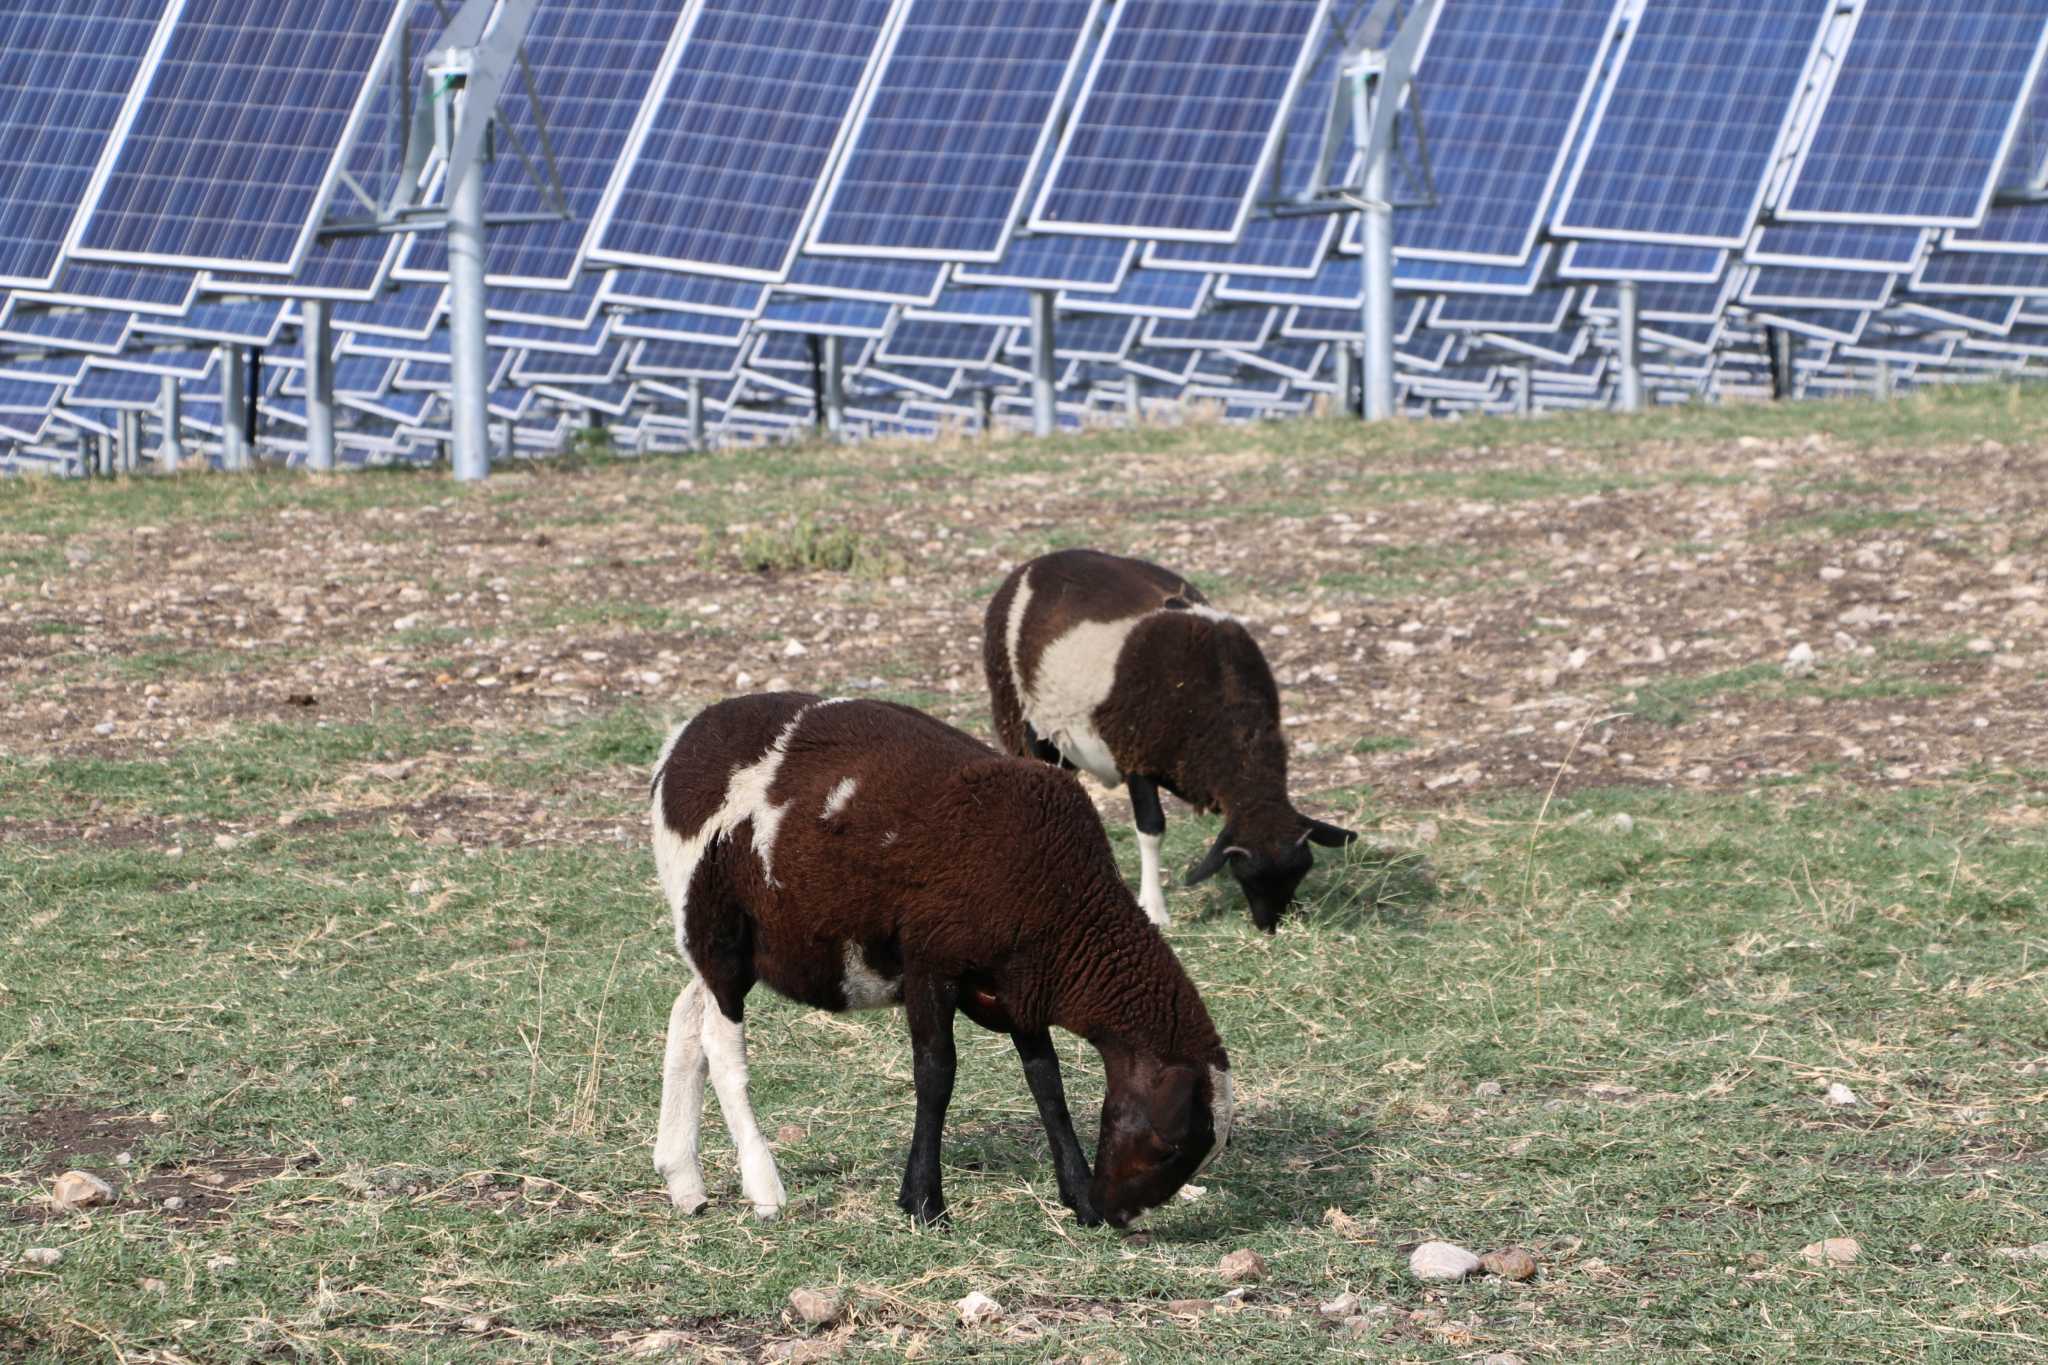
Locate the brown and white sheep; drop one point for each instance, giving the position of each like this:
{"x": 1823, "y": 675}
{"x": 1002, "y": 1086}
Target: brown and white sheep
{"x": 1122, "y": 669}
{"x": 858, "y": 855}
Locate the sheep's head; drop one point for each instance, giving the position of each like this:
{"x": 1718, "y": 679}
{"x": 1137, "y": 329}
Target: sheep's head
{"x": 1161, "y": 1123}
{"x": 1269, "y": 868}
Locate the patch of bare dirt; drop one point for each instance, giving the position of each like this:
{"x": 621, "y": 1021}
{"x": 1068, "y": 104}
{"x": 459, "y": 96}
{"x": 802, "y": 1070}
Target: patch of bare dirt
{"x": 74, "y": 1135}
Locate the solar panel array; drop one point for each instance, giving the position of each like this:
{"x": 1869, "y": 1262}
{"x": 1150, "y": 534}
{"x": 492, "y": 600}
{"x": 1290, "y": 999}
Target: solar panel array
{"x": 749, "y": 182}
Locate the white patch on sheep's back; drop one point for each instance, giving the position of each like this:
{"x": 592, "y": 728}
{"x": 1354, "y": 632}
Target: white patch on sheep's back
{"x": 866, "y": 988}
{"x": 1222, "y": 1110}
{"x": 1209, "y": 613}
{"x": 1074, "y": 677}
{"x": 889, "y": 838}
{"x": 676, "y": 854}
{"x": 836, "y": 799}
{"x": 1013, "y": 630}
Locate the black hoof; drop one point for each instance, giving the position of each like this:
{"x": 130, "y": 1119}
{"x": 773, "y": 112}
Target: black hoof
{"x": 927, "y": 1210}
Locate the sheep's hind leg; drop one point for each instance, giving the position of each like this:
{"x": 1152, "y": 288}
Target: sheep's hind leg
{"x": 1042, "y": 1074}
{"x": 1150, "y": 819}
{"x": 682, "y": 1101}
{"x": 725, "y": 1047}
{"x": 929, "y": 1006}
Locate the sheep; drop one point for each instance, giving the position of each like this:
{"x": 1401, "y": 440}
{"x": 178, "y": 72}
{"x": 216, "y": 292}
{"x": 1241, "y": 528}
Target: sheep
{"x": 860, "y": 855}
{"x": 1122, "y": 669}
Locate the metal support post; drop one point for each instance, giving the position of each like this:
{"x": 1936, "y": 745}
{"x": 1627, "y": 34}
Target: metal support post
{"x": 1631, "y": 394}
{"x": 985, "y": 400}
{"x": 507, "y": 449}
{"x": 1884, "y": 381}
{"x": 1134, "y": 400}
{"x": 1378, "y": 215}
{"x": 1525, "y": 390}
{"x": 696, "y": 414}
{"x": 103, "y": 455}
{"x": 835, "y": 386}
{"x": 316, "y": 336}
{"x": 171, "y": 453}
{"x": 252, "y": 391}
{"x": 234, "y": 412}
{"x": 1340, "y": 363}
{"x": 131, "y": 440}
{"x": 1784, "y": 368}
{"x": 469, "y": 398}
{"x": 1044, "y": 415}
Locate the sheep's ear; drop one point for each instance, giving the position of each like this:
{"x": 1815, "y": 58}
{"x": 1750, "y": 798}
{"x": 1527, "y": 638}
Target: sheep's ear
{"x": 1219, "y": 853}
{"x": 1172, "y": 1102}
{"x": 1329, "y": 836}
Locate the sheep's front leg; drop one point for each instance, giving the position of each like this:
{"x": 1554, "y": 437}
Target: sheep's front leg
{"x": 1042, "y": 1074}
{"x": 929, "y": 1005}
{"x": 682, "y": 1101}
{"x": 725, "y": 1048}
{"x": 1150, "y": 819}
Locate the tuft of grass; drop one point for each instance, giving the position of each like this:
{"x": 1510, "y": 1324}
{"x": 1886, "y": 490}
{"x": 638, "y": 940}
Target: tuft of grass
{"x": 805, "y": 546}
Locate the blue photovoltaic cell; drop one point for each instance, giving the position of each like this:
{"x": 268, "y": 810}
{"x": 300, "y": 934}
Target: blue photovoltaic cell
{"x": 1505, "y": 84}
{"x": 554, "y": 367}
{"x": 593, "y": 64}
{"x": 918, "y": 340}
{"x": 953, "y": 128}
{"x": 412, "y": 311}
{"x": 678, "y": 324}
{"x": 728, "y": 171}
{"x": 100, "y": 330}
{"x": 573, "y": 308}
{"x": 1098, "y": 336}
{"x": 1829, "y": 324}
{"x": 1228, "y": 327}
{"x": 2006, "y": 227}
{"x": 1543, "y": 311}
{"x": 26, "y": 396}
{"x": 1839, "y": 246}
{"x": 1591, "y": 259}
{"x": 1667, "y": 302}
{"x": 1794, "y": 286}
{"x": 252, "y": 322}
{"x": 1293, "y": 245}
{"x": 1689, "y": 126}
{"x": 99, "y": 283}
{"x": 1984, "y": 272}
{"x": 1979, "y": 314}
{"x": 234, "y": 145}
{"x": 675, "y": 289}
{"x": 65, "y": 70}
{"x": 1165, "y": 293}
{"x": 841, "y": 317}
{"x": 1058, "y": 261}
{"x": 878, "y": 281}
{"x": 542, "y": 337}
{"x": 684, "y": 359}
{"x": 1179, "y": 117}
{"x": 961, "y": 303}
{"x": 1921, "y": 114}
{"x": 1340, "y": 283}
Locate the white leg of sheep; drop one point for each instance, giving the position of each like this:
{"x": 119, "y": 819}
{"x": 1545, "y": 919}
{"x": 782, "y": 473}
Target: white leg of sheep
{"x": 1150, "y": 819}
{"x": 725, "y": 1048}
{"x": 682, "y": 1101}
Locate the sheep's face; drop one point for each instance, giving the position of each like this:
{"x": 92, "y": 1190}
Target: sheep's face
{"x": 1270, "y": 872}
{"x": 1160, "y": 1124}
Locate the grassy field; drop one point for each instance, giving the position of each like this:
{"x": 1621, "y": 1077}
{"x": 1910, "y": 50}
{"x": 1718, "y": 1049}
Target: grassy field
{"x": 345, "y": 934}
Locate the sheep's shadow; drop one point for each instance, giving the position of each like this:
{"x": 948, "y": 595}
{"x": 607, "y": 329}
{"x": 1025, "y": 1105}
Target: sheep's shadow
{"x": 1367, "y": 884}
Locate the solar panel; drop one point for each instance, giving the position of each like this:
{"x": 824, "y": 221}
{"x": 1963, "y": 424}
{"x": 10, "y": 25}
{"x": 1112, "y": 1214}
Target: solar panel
{"x": 2006, "y": 227}
{"x": 1056, "y": 261}
{"x": 102, "y": 331}
{"x": 962, "y": 303}
{"x": 1891, "y": 144}
{"x": 235, "y": 142}
{"x": 251, "y": 322}
{"x": 872, "y": 280}
{"x": 1983, "y": 272}
{"x": 1340, "y": 283}
{"x": 1505, "y": 84}
{"x": 65, "y": 70}
{"x": 684, "y": 360}
{"x": 1543, "y": 311}
{"x": 137, "y": 288}
{"x": 837, "y": 317}
{"x": 675, "y": 289}
{"x": 1688, "y": 128}
{"x": 1471, "y": 277}
{"x": 1239, "y": 328}
{"x": 1606, "y": 260}
{"x": 726, "y": 172}
{"x": 953, "y": 127}
{"x": 1978, "y": 314}
{"x": 1153, "y": 293}
{"x": 1101, "y": 336}
{"x": 919, "y": 341}
{"x": 675, "y": 324}
{"x": 593, "y": 64}
{"x": 1839, "y": 246}
{"x": 1807, "y": 288}
{"x": 1180, "y": 117}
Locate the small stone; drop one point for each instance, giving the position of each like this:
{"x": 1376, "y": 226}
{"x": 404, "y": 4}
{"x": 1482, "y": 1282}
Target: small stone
{"x": 75, "y": 1190}
{"x": 418, "y": 886}
{"x": 1622, "y": 822}
{"x": 173, "y": 1203}
{"x": 151, "y": 1285}
{"x": 124, "y": 1158}
{"x": 1489, "y": 1090}
{"x": 1190, "y": 1193}
{"x": 658, "y": 1344}
{"x": 1510, "y": 1263}
{"x": 1426, "y": 832}
{"x": 476, "y": 1322}
{"x": 290, "y": 818}
{"x": 1441, "y": 1261}
{"x": 789, "y": 1133}
{"x": 1343, "y": 1306}
{"x": 1606, "y": 1090}
{"x": 818, "y": 1307}
{"x": 1243, "y": 1266}
{"x": 104, "y": 728}
{"x": 1841, "y": 1096}
{"x": 1831, "y": 1251}
{"x": 43, "y": 1256}
{"x": 794, "y": 649}
{"x": 1188, "y": 1307}
{"x": 1800, "y": 661}
{"x": 1341, "y": 1223}
{"x": 2037, "y": 1252}
{"x": 978, "y": 1310}
{"x": 1400, "y": 649}
{"x": 1501, "y": 1358}
{"x": 219, "y": 1263}
{"x": 226, "y": 843}
{"x": 1980, "y": 645}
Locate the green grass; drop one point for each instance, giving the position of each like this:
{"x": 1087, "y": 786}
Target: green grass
{"x": 1676, "y": 700}
{"x": 467, "y": 1043}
